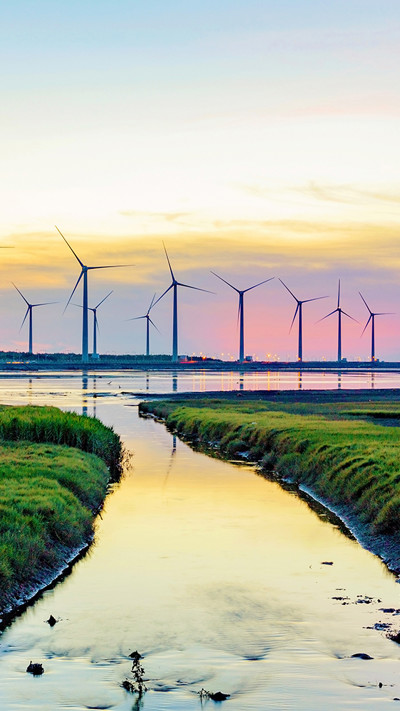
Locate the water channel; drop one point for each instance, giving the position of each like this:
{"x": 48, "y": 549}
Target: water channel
{"x": 216, "y": 575}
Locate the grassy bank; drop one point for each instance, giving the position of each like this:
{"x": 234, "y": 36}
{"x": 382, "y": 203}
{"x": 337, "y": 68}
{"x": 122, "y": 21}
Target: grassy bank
{"x": 54, "y": 472}
{"x": 334, "y": 449}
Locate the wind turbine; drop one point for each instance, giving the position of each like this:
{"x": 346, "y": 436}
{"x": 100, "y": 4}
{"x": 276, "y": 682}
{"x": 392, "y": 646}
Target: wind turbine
{"x": 84, "y": 274}
{"x": 148, "y": 322}
{"x": 372, "y": 319}
{"x": 339, "y": 311}
{"x": 29, "y": 311}
{"x": 241, "y": 293}
{"x": 174, "y": 285}
{"x": 299, "y": 311}
{"x": 95, "y": 323}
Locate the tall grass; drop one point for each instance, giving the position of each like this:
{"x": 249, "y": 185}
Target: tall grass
{"x": 346, "y": 461}
{"x": 48, "y": 424}
{"x": 54, "y": 472}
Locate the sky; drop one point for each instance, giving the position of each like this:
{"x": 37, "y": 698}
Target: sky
{"x": 256, "y": 139}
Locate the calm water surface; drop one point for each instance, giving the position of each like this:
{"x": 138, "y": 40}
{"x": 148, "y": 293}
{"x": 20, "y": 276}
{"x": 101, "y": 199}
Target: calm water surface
{"x": 213, "y": 573}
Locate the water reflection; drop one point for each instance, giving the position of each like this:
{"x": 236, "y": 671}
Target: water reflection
{"x": 84, "y": 392}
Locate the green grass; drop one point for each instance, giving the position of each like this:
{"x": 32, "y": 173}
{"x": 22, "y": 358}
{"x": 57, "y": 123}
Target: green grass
{"x": 332, "y": 448}
{"x": 54, "y": 472}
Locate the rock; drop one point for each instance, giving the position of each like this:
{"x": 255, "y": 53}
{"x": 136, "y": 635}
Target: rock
{"x": 395, "y": 637}
{"x": 128, "y": 686}
{"x": 361, "y": 655}
{"x": 327, "y": 562}
{"x": 387, "y": 609}
{"x": 219, "y": 696}
{"x": 35, "y": 668}
{"x": 52, "y": 621}
{"x": 136, "y": 656}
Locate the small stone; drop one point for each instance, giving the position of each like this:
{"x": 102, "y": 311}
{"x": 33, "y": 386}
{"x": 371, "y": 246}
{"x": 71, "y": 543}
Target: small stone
{"x": 327, "y": 562}
{"x": 35, "y": 668}
{"x": 128, "y": 686}
{"x": 361, "y": 655}
{"x": 52, "y": 621}
{"x": 219, "y": 696}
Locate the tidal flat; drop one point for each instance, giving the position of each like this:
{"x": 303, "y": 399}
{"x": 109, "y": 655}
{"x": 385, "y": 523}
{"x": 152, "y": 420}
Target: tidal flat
{"x": 219, "y": 577}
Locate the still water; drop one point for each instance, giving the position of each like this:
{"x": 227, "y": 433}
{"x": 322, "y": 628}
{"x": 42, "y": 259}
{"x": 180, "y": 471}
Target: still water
{"x": 213, "y": 573}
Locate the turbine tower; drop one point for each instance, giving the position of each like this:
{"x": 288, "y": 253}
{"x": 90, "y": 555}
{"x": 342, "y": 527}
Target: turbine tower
{"x": 241, "y": 293}
{"x": 84, "y": 274}
{"x": 174, "y": 285}
{"x": 299, "y": 312}
{"x": 372, "y": 319}
{"x": 148, "y": 322}
{"x": 339, "y": 311}
{"x": 95, "y": 355}
{"x": 29, "y": 311}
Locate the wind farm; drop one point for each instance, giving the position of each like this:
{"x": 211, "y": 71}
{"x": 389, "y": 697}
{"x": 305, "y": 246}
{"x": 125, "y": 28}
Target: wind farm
{"x": 176, "y": 357}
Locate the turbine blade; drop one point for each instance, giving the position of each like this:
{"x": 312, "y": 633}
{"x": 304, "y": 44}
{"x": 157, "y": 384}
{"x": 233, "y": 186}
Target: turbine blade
{"x": 295, "y": 314}
{"x": 24, "y": 319}
{"x": 102, "y": 301}
{"x": 226, "y": 282}
{"x": 135, "y": 318}
{"x": 386, "y": 313}
{"x": 365, "y": 303}
{"x": 348, "y": 316}
{"x": 73, "y": 291}
{"x": 46, "y": 303}
{"x": 96, "y": 323}
{"x": 151, "y": 304}
{"x": 338, "y": 295}
{"x": 187, "y": 286}
{"x": 327, "y": 315}
{"x": 153, "y": 324}
{"x": 163, "y": 294}
{"x": 111, "y": 266}
{"x": 239, "y": 312}
{"x": 259, "y": 284}
{"x": 287, "y": 288}
{"x": 365, "y": 327}
{"x": 169, "y": 263}
{"x": 74, "y": 253}
{"x": 316, "y": 298}
{"x": 20, "y": 292}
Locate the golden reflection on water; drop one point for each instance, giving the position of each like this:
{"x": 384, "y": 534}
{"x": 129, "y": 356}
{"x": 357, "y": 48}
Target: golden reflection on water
{"x": 216, "y": 575}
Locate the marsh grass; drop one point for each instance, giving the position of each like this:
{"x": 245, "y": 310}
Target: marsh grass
{"x": 328, "y": 447}
{"x": 54, "y": 472}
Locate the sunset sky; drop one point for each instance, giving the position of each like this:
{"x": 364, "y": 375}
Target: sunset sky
{"x": 256, "y": 138}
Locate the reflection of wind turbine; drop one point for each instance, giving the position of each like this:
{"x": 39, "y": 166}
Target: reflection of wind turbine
{"x": 148, "y": 322}
{"x": 174, "y": 285}
{"x": 299, "y": 312}
{"x": 372, "y": 319}
{"x": 29, "y": 311}
{"x": 339, "y": 312}
{"x": 241, "y": 293}
{"x": 95, "y": 323}
{"x": 84, "y": 274}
